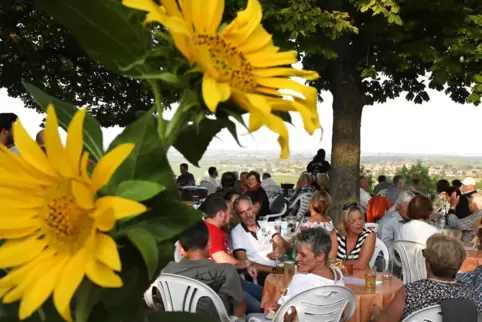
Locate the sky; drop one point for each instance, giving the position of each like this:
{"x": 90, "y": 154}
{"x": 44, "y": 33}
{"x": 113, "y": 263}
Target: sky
{"x": 439, "y": 126}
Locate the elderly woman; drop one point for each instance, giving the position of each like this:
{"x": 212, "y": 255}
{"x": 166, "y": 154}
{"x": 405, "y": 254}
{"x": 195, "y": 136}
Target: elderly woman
{"x": 312, "y": 248}
{"x": 417, "y": 229}
{"x": 444, "y": 256}
{"x": 351, "y": 241}
{"x": 319, "y": 203}
{"x": 254, "y": 183}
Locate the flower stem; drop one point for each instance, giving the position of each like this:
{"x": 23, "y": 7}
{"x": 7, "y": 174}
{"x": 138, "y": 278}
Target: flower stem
{"x": 179, "y": 121}
{"x": 41, "y": 314}
{"x": 159, "y": 108}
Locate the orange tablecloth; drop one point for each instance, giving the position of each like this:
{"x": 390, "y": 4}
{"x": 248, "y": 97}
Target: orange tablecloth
{"x": 274, "y": 287}
{"x": 473, "y": 259}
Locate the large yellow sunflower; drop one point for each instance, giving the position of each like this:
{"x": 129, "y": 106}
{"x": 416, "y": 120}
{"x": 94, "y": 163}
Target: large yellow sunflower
{"x": 51, "y": 220}
{"x": 239, "y": 62}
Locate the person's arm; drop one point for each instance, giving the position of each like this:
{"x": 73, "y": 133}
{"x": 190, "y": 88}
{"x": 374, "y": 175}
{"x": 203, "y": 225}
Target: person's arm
{"x": 387, "y": 233}
{"x": 334, "y": 245}
{"x": 240, "y": 254}
{"x": 394, "y": 310}
{"x": 223, "y": 257}
{"x": 282, "y": 246}
{"x": 366, "y": 252}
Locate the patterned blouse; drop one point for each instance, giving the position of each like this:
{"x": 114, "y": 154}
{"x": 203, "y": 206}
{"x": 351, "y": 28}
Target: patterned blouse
{"x": 342, "y": 253}
{"x": 313, "y": 224}
{"x": 427, "y": 292}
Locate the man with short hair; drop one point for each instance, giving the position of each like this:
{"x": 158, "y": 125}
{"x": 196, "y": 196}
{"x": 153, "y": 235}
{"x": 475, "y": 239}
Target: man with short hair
{"x": 6, "y": 131}
{"x": 459, "y": 205}
{"x": 382, "y": 186}
{"x": 211, "y": 177}
{"x": 465, "y": 224}
{"x": 228, "y": 181}
{"x": 364, "y": 195}
{"x": 218, "y": 216}
{"x": 391, "y": 223}
{"x": 267, "y": 180}
{"x": 417, "y": 187}
{"x": 222, "y": 278}
{"x": 397, "y": 187}
{"x": 319, "y": 164}
{"x": 186, "y": 178}
{"x": 304, "y": 186}
{"x": 254, "y": 241}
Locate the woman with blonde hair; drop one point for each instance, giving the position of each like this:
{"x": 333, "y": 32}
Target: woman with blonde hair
{"x": 322, "y": 182}
{"x": 444, "y": 256}
{"x": 319, "y": 203}
{"x": 351, "y": 241}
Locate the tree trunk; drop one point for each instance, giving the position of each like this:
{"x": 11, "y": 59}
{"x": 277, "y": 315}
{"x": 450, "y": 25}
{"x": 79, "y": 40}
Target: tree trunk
{"x": 348, "y": 103}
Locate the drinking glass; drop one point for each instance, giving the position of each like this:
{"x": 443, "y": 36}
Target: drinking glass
{"x": 386, "y": 276}
{"x": 289, "y": 271}
{"x": 370, "y": 279}
{"x": 348, "y": 268}
{"x": 277, "y": 225}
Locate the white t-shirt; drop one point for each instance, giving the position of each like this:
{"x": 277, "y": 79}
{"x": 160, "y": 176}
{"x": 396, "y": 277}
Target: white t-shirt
{"x": 302, "y": 282}
{"x": 256, "y": 247}
{"x": 417, "y": 231}
{"x": 364, "y": 198}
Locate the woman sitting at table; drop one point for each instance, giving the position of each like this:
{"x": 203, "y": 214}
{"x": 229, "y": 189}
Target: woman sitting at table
{"x": 254, "y": 183}
{"x": 352, "y": 242}
{"x": 417, "y": 229}
{"x": 443, "y": 258}
{"x": 319, "y": 203}
{"x": 312, "y": 248}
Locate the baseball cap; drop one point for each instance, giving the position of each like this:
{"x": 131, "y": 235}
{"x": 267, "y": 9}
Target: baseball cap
{"x": 468, "y": 182}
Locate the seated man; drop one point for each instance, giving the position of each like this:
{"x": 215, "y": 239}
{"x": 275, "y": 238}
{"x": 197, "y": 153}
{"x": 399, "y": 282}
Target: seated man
{"x": 256, "y": 199}
{"x": 304, "y": 186}
{"x": 259, "y": 244}
{"x": 222, "y": 278}
{"x": 218, "y": 216}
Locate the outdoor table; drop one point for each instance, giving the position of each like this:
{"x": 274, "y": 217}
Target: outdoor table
{"x": 274, "y": 287}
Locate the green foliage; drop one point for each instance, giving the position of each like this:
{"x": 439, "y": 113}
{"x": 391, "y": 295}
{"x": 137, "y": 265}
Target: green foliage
{"x": 146, "y": 244}
{"x": 369, "y": 175}
{"x": 426, "y": 179}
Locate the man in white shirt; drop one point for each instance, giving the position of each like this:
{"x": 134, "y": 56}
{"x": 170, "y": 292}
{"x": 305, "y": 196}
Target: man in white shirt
{"x": 364, "y": 195}
{"x": 267, "y": 180}
{"x": 211, "y": 177}
{"x": 255, "y": 241}
{"x": 6, "y": 131}
{"x": 392, "y": 222}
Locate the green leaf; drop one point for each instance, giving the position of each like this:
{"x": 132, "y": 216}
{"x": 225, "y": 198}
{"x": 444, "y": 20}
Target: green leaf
{"x": 146, "y": 244}
{"x": 168, "y": 78}
{"x": 478, "y": 78}
{"x": 398, "y": 20}
{"x": 108, "y": 31}
{"x": 65, "y": 111}
{"x": 87, "y": 296}
{"x": 202, "y": 134}
{"x": 139, "y": 190}
{"x": 147, "y": 162}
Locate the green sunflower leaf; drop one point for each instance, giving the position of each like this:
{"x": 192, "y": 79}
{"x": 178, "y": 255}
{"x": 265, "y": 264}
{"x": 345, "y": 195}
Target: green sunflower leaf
{"x": 147, "y": 246}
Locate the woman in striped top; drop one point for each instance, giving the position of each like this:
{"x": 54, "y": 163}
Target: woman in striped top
{"x": 350, "y": 241}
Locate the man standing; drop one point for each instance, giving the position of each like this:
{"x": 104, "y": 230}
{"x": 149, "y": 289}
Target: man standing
{"x": 364, "y": 195}
{"x": 260, "y": 244}
{"x": 218, "y": 216}
{"x": 416, "y": 186}
{"x": 211, "y": 177}
{"x": 382, "y": 186}
{"x": 186, "y": 178}
{"x": 6, "y": 131}
{"x": 391, "y": 223}
{"x": 319, "y": 164}
{"x": 397, "y": 187}
{"x": 222, "y": 278}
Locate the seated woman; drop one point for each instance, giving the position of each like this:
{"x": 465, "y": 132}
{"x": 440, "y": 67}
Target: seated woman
{"x": 312, "y": 248}
{"x": 351, "y": 241}
{"x": 417, "y": 229}
{"x": 319, "y": 204}
{"x": 443, "y": 258}
{"x": 254, "y": 183}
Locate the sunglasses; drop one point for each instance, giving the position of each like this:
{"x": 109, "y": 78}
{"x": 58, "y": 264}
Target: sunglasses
{"x": 350, "y": 206}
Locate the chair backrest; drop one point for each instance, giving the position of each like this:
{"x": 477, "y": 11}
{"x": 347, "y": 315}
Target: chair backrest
{"x": 408, "y": 255}
{"x": 372, "y": 226}
{"x": 177, "y": 252}
{"x": 208, "y": 185}
{"x": 380, "y": 247}
{"x": 428, "y": 314}
{"x": 304, "y": 200}
{"x": 321, "y": 304}
{"x": 281, "y": 213}
{"x": 182, "y": 294}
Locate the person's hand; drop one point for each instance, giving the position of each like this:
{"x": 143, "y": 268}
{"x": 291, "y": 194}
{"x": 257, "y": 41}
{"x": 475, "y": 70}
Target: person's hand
{"x": 454, "y": 200}
{"x": 252, "y": 271}
{"x": 274, "y": 255}
{"x": 270, "y": 306}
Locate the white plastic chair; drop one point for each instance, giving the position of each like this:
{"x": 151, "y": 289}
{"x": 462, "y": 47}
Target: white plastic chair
{"x": 208, "y": 185}
{"x": 304, "y": 200}
{"x": 408, "y": 255}
{"x": 380, "y": 247}
{"x": 285, "y": 207}
{"x": 372, "y": 226}
{"x": 177, "y": 252}
{"x": 182, "y": 294}
{"x": 428, "y": 314}
{"x": 321, "y": 304}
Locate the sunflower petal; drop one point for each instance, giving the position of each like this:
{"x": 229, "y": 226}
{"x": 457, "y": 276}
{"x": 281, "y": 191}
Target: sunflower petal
{"x": 171, "y": 7}
{"x": 75, "y": 139}
{"x": 106, "y": 251}
{"x": 108, "y": 164}
{"x": 214, "y": 92}
{"x": 104, "y": 219}
{"x": 122, "y": 207}
{"x": 102, "y": 275}
{"x": 268, "y": 59}
{"x": 17, "y": 252}
{"x": 213, "y": 14}
{"x": 83, "y": 195}
{"x": 285, "y": 72}
{"x": 245, "y": 23}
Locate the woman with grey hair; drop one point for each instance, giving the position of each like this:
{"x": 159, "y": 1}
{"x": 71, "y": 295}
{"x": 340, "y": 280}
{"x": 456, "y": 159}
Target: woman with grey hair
{"x": 392, "y": 222}
{"x": 312, "y": 248}
{"x": 444, "y": 256}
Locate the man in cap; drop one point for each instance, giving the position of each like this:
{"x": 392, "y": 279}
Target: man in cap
{"x": 459, "y": 205}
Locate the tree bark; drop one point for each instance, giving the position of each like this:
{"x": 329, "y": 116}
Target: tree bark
{"x": 348, "y": 101}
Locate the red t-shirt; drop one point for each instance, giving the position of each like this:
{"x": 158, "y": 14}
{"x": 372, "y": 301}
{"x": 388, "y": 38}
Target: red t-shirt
{"x": 219, "y": 240}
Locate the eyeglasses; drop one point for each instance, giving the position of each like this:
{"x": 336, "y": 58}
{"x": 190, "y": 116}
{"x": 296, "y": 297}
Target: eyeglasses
{"x": 351, "y": 205}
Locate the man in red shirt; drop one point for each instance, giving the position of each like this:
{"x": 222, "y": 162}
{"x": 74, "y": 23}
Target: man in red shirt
{"x": 218, "y": 216}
